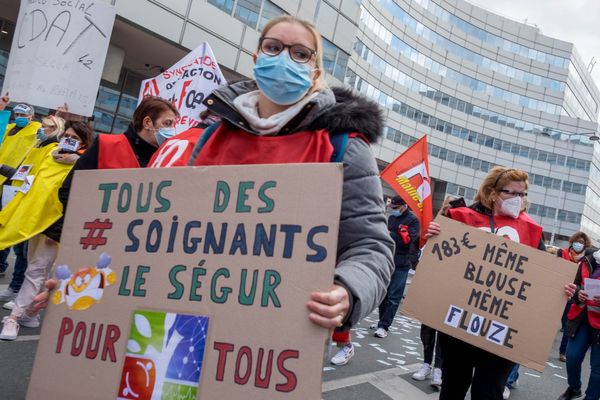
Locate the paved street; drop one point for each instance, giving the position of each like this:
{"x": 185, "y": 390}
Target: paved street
{"x": 380, "y": 369}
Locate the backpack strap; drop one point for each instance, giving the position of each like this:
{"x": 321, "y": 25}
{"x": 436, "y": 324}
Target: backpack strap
{"x": 206, "y": 134}
{"x": 340, "y": 143}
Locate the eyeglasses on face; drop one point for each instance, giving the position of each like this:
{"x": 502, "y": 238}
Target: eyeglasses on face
{"x": 299, "y": 53}
{"x": 512, "y": 193}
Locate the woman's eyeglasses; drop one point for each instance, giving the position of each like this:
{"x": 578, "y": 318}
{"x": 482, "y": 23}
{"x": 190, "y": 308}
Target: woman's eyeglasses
{"x": 512, "y": 193}
{"x": 299, "y": 53}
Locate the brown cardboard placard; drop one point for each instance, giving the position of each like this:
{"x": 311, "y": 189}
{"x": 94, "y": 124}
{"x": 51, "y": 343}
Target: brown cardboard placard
{"x": 491, "y": 292}
{"x": 191, "y": 282}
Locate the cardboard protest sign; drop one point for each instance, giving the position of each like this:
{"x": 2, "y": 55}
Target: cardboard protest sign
{"x": 191, "y": 283}
{"x": 493, "y": 293}
{"x": 58, "y": 53}
{"x": 186, "y": 84}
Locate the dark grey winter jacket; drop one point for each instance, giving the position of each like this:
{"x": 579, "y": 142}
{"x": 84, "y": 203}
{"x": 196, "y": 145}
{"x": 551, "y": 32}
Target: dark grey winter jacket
{"x": 365, "y": 249}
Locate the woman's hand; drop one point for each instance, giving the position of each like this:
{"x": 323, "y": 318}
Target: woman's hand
{"x": 65, "y": 158}
{"x": 329, "y": 309}
{"x": 40, "y": 301}
{"x": 433, "y": 229}
{"x": 597, "y": 300}
{"x": 570, "y": 289}
{"x": 583, "y": 296}
{"x": 4, "y": 101}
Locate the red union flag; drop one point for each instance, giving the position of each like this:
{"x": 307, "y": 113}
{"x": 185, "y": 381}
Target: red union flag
{"x": 408, "y": 175}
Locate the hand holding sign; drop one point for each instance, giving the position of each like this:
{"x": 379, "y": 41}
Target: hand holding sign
{"x": 491, "y": 292}
{"x": 329, "y": 309}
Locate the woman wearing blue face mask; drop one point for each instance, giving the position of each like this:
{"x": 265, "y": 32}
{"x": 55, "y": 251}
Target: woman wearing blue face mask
{"x": 579, "y": 242}
{"x": 288, "y": 114}
{"x": 19, "y": 138}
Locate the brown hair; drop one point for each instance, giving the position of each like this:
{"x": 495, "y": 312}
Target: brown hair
{"x": 83, "y": 130}
{"x": 577, "y": 236}
{"x": 320, "y": 83}
{"x": 496, "y": 179}
{"x": 151, "y": 106}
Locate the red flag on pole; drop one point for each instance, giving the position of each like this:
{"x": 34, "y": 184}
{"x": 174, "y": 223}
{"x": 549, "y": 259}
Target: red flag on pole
{"x": 408, "y": 175}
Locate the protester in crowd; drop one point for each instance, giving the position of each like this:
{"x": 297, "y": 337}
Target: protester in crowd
{"x": 38, "y": 209}
{"x": 404, "y": 229}
{"x": 289, "y": 115}
{"x": 46, "y": 139}
{"x": 430, "y": 338}
{"x": 19, "y": 138}
{"x": 499, "y": 207}
{"x": 579, "y": 242}
{"x": 176, "y": 151}
{"x": 584, "y": 331}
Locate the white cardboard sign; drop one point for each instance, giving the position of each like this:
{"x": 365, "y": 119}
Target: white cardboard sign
{"x": 58, "y": 53}
{"x": 186, "y": 84}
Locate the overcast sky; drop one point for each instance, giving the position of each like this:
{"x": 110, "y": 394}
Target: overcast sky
{"x": 574, "y": 21}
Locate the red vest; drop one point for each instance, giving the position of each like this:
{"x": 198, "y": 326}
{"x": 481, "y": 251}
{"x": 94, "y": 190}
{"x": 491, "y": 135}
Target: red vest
{"x": 592, "y": 309}
{"x": 566, "y": 254}
{"x": 233, "y": 146}
{"x": 114, "y": 151}
{"x": 522, "y": 230}
{"x": 176, "y": 151}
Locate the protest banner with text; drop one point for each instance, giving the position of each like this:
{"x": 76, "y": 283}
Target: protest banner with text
{"x": 186, "y": 84}
{"x": 191, "y": 283}
{"x": 58, "y": 53}
{"x": 491, "y": 292}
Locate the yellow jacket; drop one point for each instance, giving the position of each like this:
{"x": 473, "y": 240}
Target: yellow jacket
{"x": 31, "y": 213}
{"x": 14, "y": 149}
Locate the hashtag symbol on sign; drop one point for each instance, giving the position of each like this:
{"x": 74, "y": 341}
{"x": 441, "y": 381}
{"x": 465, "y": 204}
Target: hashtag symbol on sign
{"x": 95, "y": 229}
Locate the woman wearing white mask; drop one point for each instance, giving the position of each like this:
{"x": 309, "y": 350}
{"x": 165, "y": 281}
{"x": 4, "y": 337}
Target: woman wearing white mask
{"x": 499, "y": 207}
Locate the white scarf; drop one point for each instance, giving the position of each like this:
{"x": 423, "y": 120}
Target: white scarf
{"x": 247, "y": 104}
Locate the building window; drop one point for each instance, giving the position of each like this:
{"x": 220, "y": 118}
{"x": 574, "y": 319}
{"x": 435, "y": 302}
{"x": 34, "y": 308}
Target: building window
{"x": 225, "y": 5}
{"x": 335, "y": 61}
{"x": 247, "y": 11}
{"x": 116, "y": 103}
{"x": 269, "y": 12}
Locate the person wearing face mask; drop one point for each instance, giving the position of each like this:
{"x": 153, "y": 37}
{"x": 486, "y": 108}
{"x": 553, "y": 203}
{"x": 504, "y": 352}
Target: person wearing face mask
{"x": 499, "y": 207}
{"x": 288, "y": 114}
{"x": 579, "y": 242}
{"x": 584, "y": 330}
{"x": 29, "y": 215}
{"x": 19, "y": 138}
{"x": 404, "y": 228}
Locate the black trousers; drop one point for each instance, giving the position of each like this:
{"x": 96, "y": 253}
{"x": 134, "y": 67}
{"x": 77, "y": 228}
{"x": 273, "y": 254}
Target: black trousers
{"x": 430, "y": 344}
{"x": 465, "y": 365}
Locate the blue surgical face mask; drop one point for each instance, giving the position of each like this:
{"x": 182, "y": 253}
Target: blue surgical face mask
{"x": 395, "y": 212}
{"x": 578, "y": 247}
{"x": 41, "y": 135}
{"x": 281, "y": 79}
{"x": 162, "y": 134}
{"x": 21, "y": 122}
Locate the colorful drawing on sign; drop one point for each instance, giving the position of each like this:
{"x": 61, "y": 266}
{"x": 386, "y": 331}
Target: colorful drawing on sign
{"x": 84, "y": 288}
{"x": 164, "y": 356}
